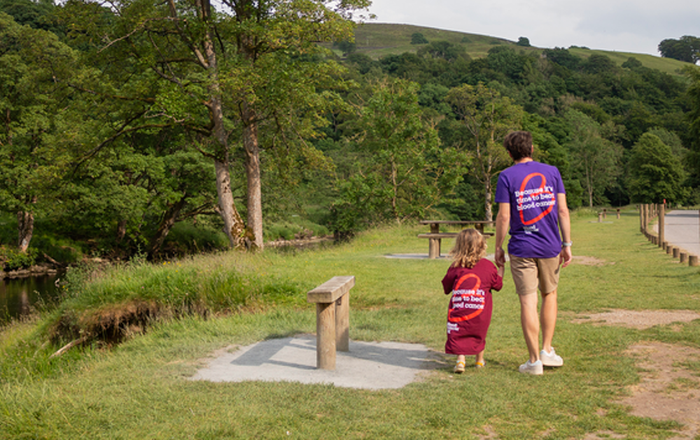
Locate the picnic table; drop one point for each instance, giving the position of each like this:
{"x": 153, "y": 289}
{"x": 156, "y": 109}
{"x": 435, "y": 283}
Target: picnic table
{"x": 435, "y": 236}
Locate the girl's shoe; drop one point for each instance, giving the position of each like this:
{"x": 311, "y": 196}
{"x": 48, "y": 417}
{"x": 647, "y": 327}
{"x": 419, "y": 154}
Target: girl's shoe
{"x": 459, "y": 368}
{"x": 480, "y": 364}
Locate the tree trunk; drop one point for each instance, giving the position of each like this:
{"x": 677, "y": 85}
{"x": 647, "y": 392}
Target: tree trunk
{"x": 233, "y": 223}
{"x": 488, "y": 216}
{"x": 589, "y": 189}
{"x": 166, "y": 225}
{"x": 25, "y": 227}
{"x": 121, "y": 230}
{"x": 234, "y": 227}
{"x": 252, "y": 167}
{"x": 395, "y": 190}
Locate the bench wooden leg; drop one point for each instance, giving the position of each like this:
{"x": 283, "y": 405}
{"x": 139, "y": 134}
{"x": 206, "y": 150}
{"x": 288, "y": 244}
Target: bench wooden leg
{"x": 325, "y": 336}
{"x": 342, "y": 323}
{"x": 434, "y": 248}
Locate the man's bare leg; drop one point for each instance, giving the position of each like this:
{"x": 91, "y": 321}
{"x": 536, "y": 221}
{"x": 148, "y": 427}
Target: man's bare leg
{"x": 548, "y": 319}
{"x": 530, "y": 323}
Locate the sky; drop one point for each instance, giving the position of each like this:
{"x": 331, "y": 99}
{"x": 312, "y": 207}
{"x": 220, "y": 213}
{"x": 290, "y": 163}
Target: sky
{"x": 617, "y": 25}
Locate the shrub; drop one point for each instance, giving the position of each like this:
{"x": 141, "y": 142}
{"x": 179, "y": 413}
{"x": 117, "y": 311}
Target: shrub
{"x": 187, "y": 238}
{"x": 295, "y": 228}
{"x": 63, "y": 250}
{"x": 418, "y": 38}
{"x": 13, "y": 259}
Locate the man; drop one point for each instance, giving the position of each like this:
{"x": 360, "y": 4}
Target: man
{"x": 532, "y": 201}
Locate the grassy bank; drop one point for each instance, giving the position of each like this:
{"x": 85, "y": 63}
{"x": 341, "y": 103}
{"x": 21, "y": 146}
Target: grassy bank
{"x": 138, "y": 389}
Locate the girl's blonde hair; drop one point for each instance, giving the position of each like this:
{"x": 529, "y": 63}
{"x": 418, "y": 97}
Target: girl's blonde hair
{"x": 470, "y": 247}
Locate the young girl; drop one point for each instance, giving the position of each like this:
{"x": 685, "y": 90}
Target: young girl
{"x": 470, "y": 280}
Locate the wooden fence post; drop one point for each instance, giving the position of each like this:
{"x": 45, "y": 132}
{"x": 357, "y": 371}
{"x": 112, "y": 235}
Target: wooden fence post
{"x": 645, "y": 215}
{"x": 693, "y": 260}
{"x": 662, "y": 214}
{"x": 684, "y": 257}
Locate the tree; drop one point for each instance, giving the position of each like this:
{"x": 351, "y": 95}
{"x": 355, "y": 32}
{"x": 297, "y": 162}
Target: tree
{"x": 523, "y": 41}
{"x": 30, "y": 109}
{"x": 488, "y": 117}
{"x": 407, "y": 163}
{"x": 687, "y": 49}
{"x": 654, "y": 173}
{"x": 693, "y": 95}
{"x": 418, "y": 38}
{"x": 444, "y": 50}
{"x": 225, "y": 73}
{"x": 347, "y": 47}
{"x": 36, "y": 14}
{"x": 595, "y": 160}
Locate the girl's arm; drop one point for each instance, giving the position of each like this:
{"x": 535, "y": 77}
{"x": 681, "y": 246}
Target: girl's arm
{"x": 497, "y": 278}
{"x": 448, "y": 282}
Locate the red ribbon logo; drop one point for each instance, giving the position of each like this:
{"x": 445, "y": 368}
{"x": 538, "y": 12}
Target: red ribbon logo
{"x": 474, "y": 290}
{"x": 539, "y": 191}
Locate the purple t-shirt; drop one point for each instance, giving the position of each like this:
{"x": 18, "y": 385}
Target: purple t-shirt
{"x": 531, "y": 188}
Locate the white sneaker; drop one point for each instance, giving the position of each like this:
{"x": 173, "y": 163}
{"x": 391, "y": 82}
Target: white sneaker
{"x": 530, "y": 368}
{"x": 551, "y": 359}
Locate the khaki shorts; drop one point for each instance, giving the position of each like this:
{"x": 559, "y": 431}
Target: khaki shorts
{"x": 528, "y": 273}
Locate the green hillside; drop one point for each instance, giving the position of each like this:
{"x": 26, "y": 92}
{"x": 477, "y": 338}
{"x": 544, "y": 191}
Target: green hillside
{"x": 378, "y": 39}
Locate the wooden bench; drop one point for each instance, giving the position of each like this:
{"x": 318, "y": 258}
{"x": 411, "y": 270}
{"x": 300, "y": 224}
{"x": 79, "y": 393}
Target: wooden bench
{"x": 435, "y": 236}
{"x": 332, "y": 301}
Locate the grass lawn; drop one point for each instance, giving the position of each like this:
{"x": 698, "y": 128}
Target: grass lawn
{"x": 139, "y": 388}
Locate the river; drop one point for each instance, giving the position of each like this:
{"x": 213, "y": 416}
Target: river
{"x": 22, "y": 296}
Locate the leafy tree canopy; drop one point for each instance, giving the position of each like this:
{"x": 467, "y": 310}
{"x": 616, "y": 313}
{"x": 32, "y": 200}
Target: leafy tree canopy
{"x": 418, "y": 38}
{"x": 523, "y": 41}
{"x": 655, "y": 174}
{"x": 687, "y": 49}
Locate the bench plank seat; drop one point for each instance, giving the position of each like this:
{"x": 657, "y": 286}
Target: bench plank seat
{"x": 435, "y": 241}
{"x": 439, "y": 235}
{"x": 331, "y": 290}
{"x": 448, "y": 235}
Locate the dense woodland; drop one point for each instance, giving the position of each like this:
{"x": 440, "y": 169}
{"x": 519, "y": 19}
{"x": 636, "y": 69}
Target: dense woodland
{"x": 148, "y": 128}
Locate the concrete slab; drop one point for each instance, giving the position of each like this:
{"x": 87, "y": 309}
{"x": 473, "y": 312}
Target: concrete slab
{"x": 368, "y": 365}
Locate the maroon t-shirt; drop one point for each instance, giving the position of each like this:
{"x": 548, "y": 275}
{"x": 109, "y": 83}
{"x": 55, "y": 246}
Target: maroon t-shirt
{"x": 470, "y": 308}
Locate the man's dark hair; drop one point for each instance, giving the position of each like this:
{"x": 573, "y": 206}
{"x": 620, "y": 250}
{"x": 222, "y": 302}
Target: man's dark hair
{"x": 519, "y": 144}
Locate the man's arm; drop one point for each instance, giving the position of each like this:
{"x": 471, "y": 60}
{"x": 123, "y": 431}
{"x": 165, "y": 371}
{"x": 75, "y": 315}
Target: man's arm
{"x": 502, "y": 224}
{"x": 565, "y": 227}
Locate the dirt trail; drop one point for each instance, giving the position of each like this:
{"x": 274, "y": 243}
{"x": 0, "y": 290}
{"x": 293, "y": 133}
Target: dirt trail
{"x": 669, "y": 388}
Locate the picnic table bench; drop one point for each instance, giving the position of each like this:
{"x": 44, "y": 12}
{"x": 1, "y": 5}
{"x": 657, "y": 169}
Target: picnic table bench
{"x": 435, "y": 236}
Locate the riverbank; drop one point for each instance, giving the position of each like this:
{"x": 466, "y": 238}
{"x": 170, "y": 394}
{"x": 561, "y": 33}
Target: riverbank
{"x": 36, "y": 270}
